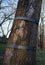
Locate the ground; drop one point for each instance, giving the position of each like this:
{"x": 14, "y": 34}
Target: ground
{"x": 40, "y": 55}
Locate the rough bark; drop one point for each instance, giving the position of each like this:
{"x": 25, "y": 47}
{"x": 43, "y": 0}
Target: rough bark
{"x": 23, "y": 33}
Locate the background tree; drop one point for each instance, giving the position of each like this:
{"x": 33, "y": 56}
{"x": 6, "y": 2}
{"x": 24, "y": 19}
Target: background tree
{"x": 23, "y": 33}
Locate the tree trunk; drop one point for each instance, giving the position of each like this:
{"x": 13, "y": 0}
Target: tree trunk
{"x": 24, "y": 33}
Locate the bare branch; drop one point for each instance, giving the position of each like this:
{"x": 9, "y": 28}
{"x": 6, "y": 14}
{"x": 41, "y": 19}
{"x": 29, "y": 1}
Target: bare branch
{"x": 5, "y": 7}
{"x": 7, "y": 18}
{"x": 8, "y": 28}
{"x": 2, "y": 30}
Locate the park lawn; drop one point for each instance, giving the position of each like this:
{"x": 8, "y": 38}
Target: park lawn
{"x": 40, "y": 55}
{"x": 2, "y": 48}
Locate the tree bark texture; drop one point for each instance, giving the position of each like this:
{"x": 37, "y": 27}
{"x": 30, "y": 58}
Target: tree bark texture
{"x": 23, "y": 33}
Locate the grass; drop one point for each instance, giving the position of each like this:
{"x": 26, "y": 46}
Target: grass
{"x": 40, "y": 55}
{"x": 2, "y": 48}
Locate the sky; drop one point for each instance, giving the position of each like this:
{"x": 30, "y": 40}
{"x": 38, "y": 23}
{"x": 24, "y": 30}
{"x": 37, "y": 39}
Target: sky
{"x": 8, "y": 7}
{"x": 12, "y": 5}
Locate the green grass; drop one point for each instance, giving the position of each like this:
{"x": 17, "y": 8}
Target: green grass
{"x": 40, "y": 57}
{"x": 2, "y": 47}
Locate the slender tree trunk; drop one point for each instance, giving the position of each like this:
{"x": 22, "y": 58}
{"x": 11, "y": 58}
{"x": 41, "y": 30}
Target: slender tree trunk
{"x": 24, "y": 33}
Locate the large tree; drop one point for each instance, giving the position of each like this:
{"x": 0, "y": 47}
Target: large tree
{"x": 23, "y": 33}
